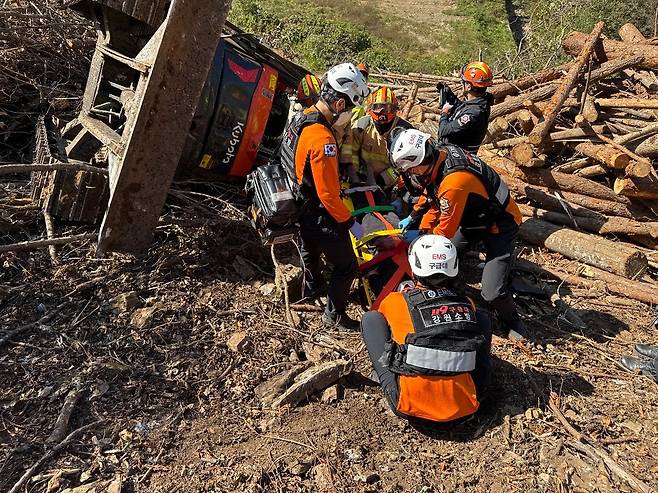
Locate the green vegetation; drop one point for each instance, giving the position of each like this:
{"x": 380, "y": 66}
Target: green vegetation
{"x": 549, "y": 21}
{"x": 435, "y": 39}
{"x": 329, "y": 31}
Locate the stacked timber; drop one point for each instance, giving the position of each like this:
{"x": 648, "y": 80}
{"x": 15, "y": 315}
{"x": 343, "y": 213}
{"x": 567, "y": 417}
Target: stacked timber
{"x": 578, "y": 146}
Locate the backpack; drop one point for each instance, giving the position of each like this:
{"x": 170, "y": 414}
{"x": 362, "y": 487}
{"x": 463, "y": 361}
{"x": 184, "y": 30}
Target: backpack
{"x": 276, "y": 203}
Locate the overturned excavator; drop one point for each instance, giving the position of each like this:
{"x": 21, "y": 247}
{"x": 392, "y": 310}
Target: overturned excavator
{"x": 173, "y": 90}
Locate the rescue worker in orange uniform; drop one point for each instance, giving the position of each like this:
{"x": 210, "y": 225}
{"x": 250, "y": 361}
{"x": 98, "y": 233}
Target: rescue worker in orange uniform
{"x": 366, "y": 145}
{"x": 309, "y": 147}
{"x": 466, "y": 201}
{"x": 427, "y": 344}
{"x": 464, "y": 123}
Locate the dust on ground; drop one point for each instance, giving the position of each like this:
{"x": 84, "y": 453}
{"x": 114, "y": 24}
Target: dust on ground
{"x": 146, "y": 341}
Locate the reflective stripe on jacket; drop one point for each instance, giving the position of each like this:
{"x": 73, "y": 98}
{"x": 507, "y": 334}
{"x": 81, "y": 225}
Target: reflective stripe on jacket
{"x": 434, "y": 382}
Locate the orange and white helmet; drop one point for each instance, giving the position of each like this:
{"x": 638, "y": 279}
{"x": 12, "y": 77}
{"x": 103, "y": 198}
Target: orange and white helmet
{"x": 382, "y": 105}
{"x": 308, "y": 90}
{"x": 478, "y": 74}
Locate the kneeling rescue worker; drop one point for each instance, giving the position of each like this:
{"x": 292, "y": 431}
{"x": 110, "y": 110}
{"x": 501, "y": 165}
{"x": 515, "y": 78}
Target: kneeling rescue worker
{"x": 428, "y": 345}
{"x": 309, "y": 147}
{"x": 464, "y": 123}
{"x": 467, "y": 202}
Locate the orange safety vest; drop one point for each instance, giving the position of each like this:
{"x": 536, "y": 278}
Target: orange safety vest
{"x": 435, "y": 355}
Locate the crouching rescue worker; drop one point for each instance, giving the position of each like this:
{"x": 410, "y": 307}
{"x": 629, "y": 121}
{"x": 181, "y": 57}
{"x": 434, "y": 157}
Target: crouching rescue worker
{"x": 428, "y": 345}
{"x": 467, "y": 202}
{"x": 366, "y": 146}
{"x": 464, "y": 123}
{"x": 309, "y": 147}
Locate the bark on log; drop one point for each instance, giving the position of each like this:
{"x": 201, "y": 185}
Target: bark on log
{"x": 642, "y": 188}
{"x": 313, "y": 380}
{"x": 574, "y": 42}
{"x": 562, "y": 93}
{"x": 627, "y": 103}
{"x": 591, "y": 171}
{"x": 605, "y": 154}
{"x": 590, "y": 113}
{"x": 551, "y": 179}
{"x": 31, "y": 245}
{"x": 536, "y": 96}
{"x": 631, "y": 34}
{"x": 648, "y": 147}
{"x": 574, "y": 165}
{"x": 526, "y": 121}
{"x": 495, "y": 129}
{"x": 601, "y": 225}
{"x": 643, "y": 78}
{"x": 512, "y": 88}
{"x": 645, "y": 132}
{"x": 581, "y": 205}
{"x": 616, "y": 257}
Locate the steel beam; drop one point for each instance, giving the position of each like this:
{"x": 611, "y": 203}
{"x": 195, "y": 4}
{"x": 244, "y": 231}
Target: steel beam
{"x": 167, "y": 97}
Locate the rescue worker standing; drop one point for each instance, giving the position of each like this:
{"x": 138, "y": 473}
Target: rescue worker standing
{"x": 309, "y": 147}
{"x": 367, "y": 143}
{"x": 429, "y": 347}
{"x": 342, "y": 130}
{"x": 464, "y": 123}
{"x": 308, "y": 93}
{"x": 467, "y": 202}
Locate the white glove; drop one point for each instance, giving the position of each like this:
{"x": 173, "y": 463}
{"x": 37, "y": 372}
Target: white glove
{"x": 357, "y": 230}
{"x": 446, "y": 108}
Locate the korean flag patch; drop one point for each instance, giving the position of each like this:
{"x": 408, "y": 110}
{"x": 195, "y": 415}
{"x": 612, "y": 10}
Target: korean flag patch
{"x": 330, "y": 150}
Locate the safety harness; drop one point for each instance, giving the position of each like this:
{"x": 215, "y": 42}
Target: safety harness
{"x": 444, "y": 339}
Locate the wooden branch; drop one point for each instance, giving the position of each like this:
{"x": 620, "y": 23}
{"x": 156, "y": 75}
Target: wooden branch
{"x": 627, "y": 103}
{"x": 11, "y": 168}
{"x": 643, "y": 78}
{"x": 605, "y": 154}
{"x": 33, "y": 244}
{"x": 410, "y": 103}
{"x": 50, "y": 234}
{"x": 313, "y": 380}
{"x": 562, "y": 93}
{"x": 638, "y": 169}
{"x": 573, "y": 165}
{"x": 615, "y": 257}
{"x": 648, "y": 147}
{"x": 516, "y": 103}
{"x": 591, "y": 171}
{"x": 62, "y": 423}
{"x": 51, "y": 453}
{"x": 512, "y": 88}
{"x": 636, "y": 290}
{"x": 645, "y": 132}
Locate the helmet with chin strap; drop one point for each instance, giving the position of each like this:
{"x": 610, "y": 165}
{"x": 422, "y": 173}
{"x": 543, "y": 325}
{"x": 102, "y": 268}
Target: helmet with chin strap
{"x": 382, "y": 105}
{"x": 478, "y": 74}
{"x": 345, "y": 81}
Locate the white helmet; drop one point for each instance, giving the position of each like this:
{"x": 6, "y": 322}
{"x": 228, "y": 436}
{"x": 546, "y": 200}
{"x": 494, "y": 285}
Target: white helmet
{"x": 433, "y": 254}
{"x": 409, "y": 149}
{"x": 346, "y": 80}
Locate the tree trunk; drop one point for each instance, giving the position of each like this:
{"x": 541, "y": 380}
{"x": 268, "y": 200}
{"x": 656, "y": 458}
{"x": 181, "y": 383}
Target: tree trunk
{"x": 631, "y": 34}
{"x": 616, "y": 257}
{"x": 495, "y": 129}
{"x": 522, "y": 154}
{"x": 643, "y": 188}
{"x": 551, "y": 179}
{"x": 605, "y": 154}
{"x": 638, "y": 169}
{"x": 526, "y": 120}
{"x": 627, "y": 103}
{"x": 574, "y": 43}
{"x": 515, "y": 103}
{"x": 504, "y": 89}
{"x": 601, "y": 225}
{"x": 648, "y": 147}
{"x": 562, "y": 93}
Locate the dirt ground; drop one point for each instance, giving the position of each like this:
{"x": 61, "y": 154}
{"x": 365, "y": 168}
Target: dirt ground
{"x": 175, "y": 410}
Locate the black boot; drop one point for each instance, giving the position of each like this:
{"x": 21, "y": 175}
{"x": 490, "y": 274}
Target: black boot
{"x": 646, "y": 350}
{"x": 340, "y": 321}
{"x": 512, "y": 325}
{"x": 648, "y": 367}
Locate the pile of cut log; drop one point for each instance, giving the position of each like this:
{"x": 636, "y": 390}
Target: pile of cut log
{"x": 576, "y": 145}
